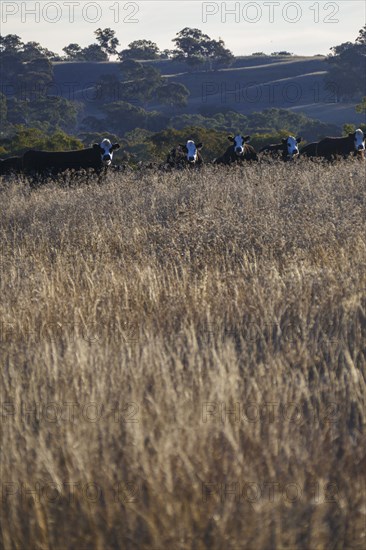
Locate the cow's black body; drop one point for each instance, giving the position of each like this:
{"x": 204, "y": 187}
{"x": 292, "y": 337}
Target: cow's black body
{"x": 238, "y": 152}
{"x": 39, "y": 161}
{"x": 310, "y": 149}
{"x": 282, "y": 150}
{"x": 332, "y": 147}
{"x": 177, "y": 159}
{"x": 96, "y": 158}
{"x": 230, "y": 157}
{"x": 11, "y": 165}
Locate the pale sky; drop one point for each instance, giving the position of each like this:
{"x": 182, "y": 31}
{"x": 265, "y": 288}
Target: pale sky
{"x": 304, "y": 27}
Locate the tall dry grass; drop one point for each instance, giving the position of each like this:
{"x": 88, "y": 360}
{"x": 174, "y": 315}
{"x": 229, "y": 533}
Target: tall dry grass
{"x": 183, "y": 360}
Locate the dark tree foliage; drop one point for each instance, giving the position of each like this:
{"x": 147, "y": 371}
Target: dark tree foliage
{"x": 23, "y": 138}
{"x": 34, "y": 50}
{"x": 73, "y": 52}
{"x": 140, "y": 49}
{"x": 107, "y": 41}
{"x": 361, "y": 107}
{"x": 131, "y": 69}
{"x": 347, "y": 67}
{"x": 122, "y": 117}
{"x": 108, "y": 88}
{"x": 139, "y": 82}
{"x": 27, "y": 79}
{"x": 197, "y": 49}
{"x": 3, "y": 109}
{"x": 282, "y": 52}
{"x": 173, "y": 94}
{"x": 26, "y": 68}
{"x": 11, "y": 43}
{"x": 94, "y": 52}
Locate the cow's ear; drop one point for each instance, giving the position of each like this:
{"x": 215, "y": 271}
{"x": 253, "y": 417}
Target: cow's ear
{"x": 199, "y": 146}
{"x": 246, "y": 139}
{"x": 230, "y": 138}
{"x": 352, "y": 134}
{"x": 284, "y": 140}
{"x": 115, "y": 146}
{"x": 181, "y": 146}
{"x": 299, "y": 139}
{"x": 96, "y": 146}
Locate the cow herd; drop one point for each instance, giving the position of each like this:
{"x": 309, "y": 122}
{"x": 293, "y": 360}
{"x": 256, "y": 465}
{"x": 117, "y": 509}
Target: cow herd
{"x": 100, "y": 156}
{"x": 328, "y": 148}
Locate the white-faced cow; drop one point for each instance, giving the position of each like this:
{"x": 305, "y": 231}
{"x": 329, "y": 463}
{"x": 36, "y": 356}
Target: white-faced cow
{"x": 287, "y": 149}
{"x": 332, "y": 147}
{"x": 96, "y": 158}
{"x": 187, "y": 155}
{"x": 11, "y": 165}
{"x": 239, "y": 151}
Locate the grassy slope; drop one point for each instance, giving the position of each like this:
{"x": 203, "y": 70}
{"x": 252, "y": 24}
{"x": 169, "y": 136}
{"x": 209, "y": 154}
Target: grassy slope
{"x": 293, "y": 83}
{"x": 151, "y": 296}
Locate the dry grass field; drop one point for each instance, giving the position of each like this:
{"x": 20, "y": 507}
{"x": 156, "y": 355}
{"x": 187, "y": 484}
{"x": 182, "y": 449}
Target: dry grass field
{"x": 183, "y": 360}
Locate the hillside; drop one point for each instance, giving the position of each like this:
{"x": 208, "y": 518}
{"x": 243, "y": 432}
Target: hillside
{"x": 252, "y": 84}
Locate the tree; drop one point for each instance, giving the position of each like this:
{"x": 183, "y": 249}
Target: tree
{"x": 107, "y": 41}
{"x": 73, "y": 52}
{"x": 347, "y": 66}
{"x": 108, "y": 88}
{"x": 34, "y": 138}
{"x": 361, "y": 107}
{"x": 37, "y": 75}
{"x": 282, "y": 52}
{"x": 3, "y": 109}
{"x": 190, "y": 46}
{"x": 11, "y": 43}
{"x": 217, "y": 55}
{"x": 93, "y": 124}
{"x": 94, "y": 53}
{"x": 166, "y": 54}
{"x": 34, "y": 50}
{"x": 139, "y": 81}
{"x": 131, "y": 69}
{"x": 196, "y": 48}
{"x": 54, "y": 112}
{"x": 173, "y": 94}
{"x": 361, "y": 39}
{"x": 140, "y": 49}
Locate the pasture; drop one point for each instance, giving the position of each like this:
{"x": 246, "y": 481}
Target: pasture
{"x": 183, "y": 359}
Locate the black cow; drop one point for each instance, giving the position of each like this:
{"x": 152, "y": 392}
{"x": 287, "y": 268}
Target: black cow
{"x": 11, "y": 165}
{"x": 96, "y": 157}
{"x": 331, "y": 147}
{"x": 187, "y": 155}
{"x": 239, "y": 151}
{"x": 287, "y": 149}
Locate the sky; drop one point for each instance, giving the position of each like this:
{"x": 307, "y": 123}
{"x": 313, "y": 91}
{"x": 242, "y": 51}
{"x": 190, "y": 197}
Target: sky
{"x": 304, "y": 27}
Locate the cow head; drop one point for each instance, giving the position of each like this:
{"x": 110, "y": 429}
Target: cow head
{"x": 106, "y": 149}
{"x": 358, "y": 140}
{"x": 190, "y": 149}
{"x": 290, "y": 146}
{"x": 239, "y": 143}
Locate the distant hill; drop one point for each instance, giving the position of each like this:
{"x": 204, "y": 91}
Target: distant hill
{"x": 251, "y": 84}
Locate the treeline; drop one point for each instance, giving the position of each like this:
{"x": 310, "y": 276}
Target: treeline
{"x": 347, "y": 67}
{"x": 190, "y": 45}
{"x": 144, "y": 145}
